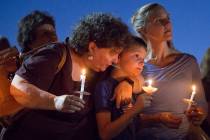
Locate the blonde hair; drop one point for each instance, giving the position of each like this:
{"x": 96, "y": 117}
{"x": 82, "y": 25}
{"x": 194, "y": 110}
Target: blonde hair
{"x": 140, "y": 19}
{"x": 205, "y": 64}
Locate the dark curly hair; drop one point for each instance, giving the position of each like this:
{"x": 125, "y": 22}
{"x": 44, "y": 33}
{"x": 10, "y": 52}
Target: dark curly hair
{"x": 135, "y": 40}
{"x": 28, "y": 24}
{"x": 4, "y": 43}
{"x": 104, "y": 29}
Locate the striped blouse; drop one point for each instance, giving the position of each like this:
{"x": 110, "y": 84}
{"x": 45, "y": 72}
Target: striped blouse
{"x": 174, "y": 83}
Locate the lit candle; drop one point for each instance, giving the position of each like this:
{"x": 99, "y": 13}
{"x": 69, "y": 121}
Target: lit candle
{"x": 82, "y": 78}
{"x": 192, "y": 97}
{"x": 149, "y": 89}
{"x": 150, "y": 83}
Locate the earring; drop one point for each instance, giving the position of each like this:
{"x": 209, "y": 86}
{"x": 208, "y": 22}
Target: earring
{"x": 90, "y": 57}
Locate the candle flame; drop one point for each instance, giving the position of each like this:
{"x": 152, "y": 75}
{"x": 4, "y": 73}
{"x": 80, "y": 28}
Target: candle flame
{"x": 193, "y": 88}
{"x": 83, "y": 72}
{"x": 150, "y": 82}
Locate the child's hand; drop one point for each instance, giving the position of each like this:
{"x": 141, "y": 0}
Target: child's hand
{"x": 142, "y": 101}
{"x": 127, "y": 108}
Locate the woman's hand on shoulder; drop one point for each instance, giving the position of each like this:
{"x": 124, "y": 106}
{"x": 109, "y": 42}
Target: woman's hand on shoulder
{"x": 122, "y": 93}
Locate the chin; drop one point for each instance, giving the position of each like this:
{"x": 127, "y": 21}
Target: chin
{"x": 136, "y": 73}
{"x": 103, "y": 69}
{"x": 169, "y": 37}
{"x": 99, "y": 69}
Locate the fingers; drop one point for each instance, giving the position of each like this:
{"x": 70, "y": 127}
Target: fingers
{"x": 173, "y": 126}
{"x": 147, "y": 104}
{"x": 71, "y": 108}
{"x": 75, "y": 102}
{"x": 76, "y": 98}
{"x": 118, "y": 102}
{"x": 122, "y": 91}
{"x": 125, "y": 102}
{"x": 170, "y": 120}
{"x": 125, "y": 109}
{"x": 147, "y": 100}
{"x": 195, "y": 116}
{"x": 196, "y": 121}
{"x": 113, "y": 98}
{"x": 69, "y": 103}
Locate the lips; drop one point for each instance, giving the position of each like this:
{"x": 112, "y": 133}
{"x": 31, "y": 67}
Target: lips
{"x": 139, "y": 69}
{"x": 167, "y": 31}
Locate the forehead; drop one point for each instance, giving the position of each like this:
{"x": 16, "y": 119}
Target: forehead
{"x": 135, "y": 49}
{"x": 158, "y": 12}
{"x": 111, "y": 49}
{"x": 48, "y": 27}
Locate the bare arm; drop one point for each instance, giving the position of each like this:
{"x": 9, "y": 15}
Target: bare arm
{"x": 166, "y": 118}
{"x": 108, "y": 129}
{"x": 147, "y": 119}
{"x": 31, "y": 96}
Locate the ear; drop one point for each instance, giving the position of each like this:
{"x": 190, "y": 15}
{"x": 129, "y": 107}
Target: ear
{"x": 92, "y": 47}
{"x": 142, "y": 31}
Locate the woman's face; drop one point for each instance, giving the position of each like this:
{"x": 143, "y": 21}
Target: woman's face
{"x": 104, "y": 57}
{"x": 44, "y": 34}
{"x": 131, "y": 61}
{"x": 158, "y": 26}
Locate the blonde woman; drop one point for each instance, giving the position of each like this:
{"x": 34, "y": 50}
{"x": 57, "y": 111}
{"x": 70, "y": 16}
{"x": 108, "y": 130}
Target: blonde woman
{"x": 174, "y": 73}
{"x": 205, "y": 69}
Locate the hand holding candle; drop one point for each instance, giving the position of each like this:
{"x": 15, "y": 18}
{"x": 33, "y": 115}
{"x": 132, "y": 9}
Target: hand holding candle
{"x": 82, "y": 78}
{"x": 149, "y": 89}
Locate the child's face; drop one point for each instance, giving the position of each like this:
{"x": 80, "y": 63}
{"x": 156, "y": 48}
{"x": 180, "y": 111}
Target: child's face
{"x": 131, "y": 61}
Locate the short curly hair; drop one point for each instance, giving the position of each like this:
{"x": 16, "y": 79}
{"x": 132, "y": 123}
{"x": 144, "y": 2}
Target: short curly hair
{"x": 28, "y": 24}
{"x": 4, "y": 43}
{"x": 103, "y": 29}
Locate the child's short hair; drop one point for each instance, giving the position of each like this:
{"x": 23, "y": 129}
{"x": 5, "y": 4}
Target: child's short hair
{"x": 137, "y": 41}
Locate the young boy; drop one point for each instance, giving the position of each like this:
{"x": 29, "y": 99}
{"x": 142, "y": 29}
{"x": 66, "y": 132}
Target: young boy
{"x": 114, "y": 123}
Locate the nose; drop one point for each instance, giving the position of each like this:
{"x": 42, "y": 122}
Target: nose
{"x": 54, "y": 37}
{"x": 141, "y": 64}
{"x": 167, "y": 24}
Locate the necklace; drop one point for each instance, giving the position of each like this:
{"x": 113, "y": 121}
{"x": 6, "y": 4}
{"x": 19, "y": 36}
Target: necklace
{"x": 153, "y": 58}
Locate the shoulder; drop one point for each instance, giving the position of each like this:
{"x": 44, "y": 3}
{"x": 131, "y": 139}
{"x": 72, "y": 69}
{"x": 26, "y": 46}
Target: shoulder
{"x": 189, "y": 56}
{"x": 103, "y": 94}
{"x": 189, "y": 59}
{"x": 51, "y": 53}
{"x": 54, "y": 48}
{"x": 105, "y": 87}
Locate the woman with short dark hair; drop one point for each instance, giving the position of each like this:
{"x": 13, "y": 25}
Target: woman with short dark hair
{"x": 54, "y": 111}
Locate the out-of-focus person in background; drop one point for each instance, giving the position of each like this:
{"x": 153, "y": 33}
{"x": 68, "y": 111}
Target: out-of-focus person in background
{"x": 36, "y": 30}
{"x": 205, "y": 70}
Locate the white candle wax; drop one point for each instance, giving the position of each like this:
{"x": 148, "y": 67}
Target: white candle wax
{"x": 191, "y": 97}
{"x": 82, "y": 88}
{"x": 149, "y": 83}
